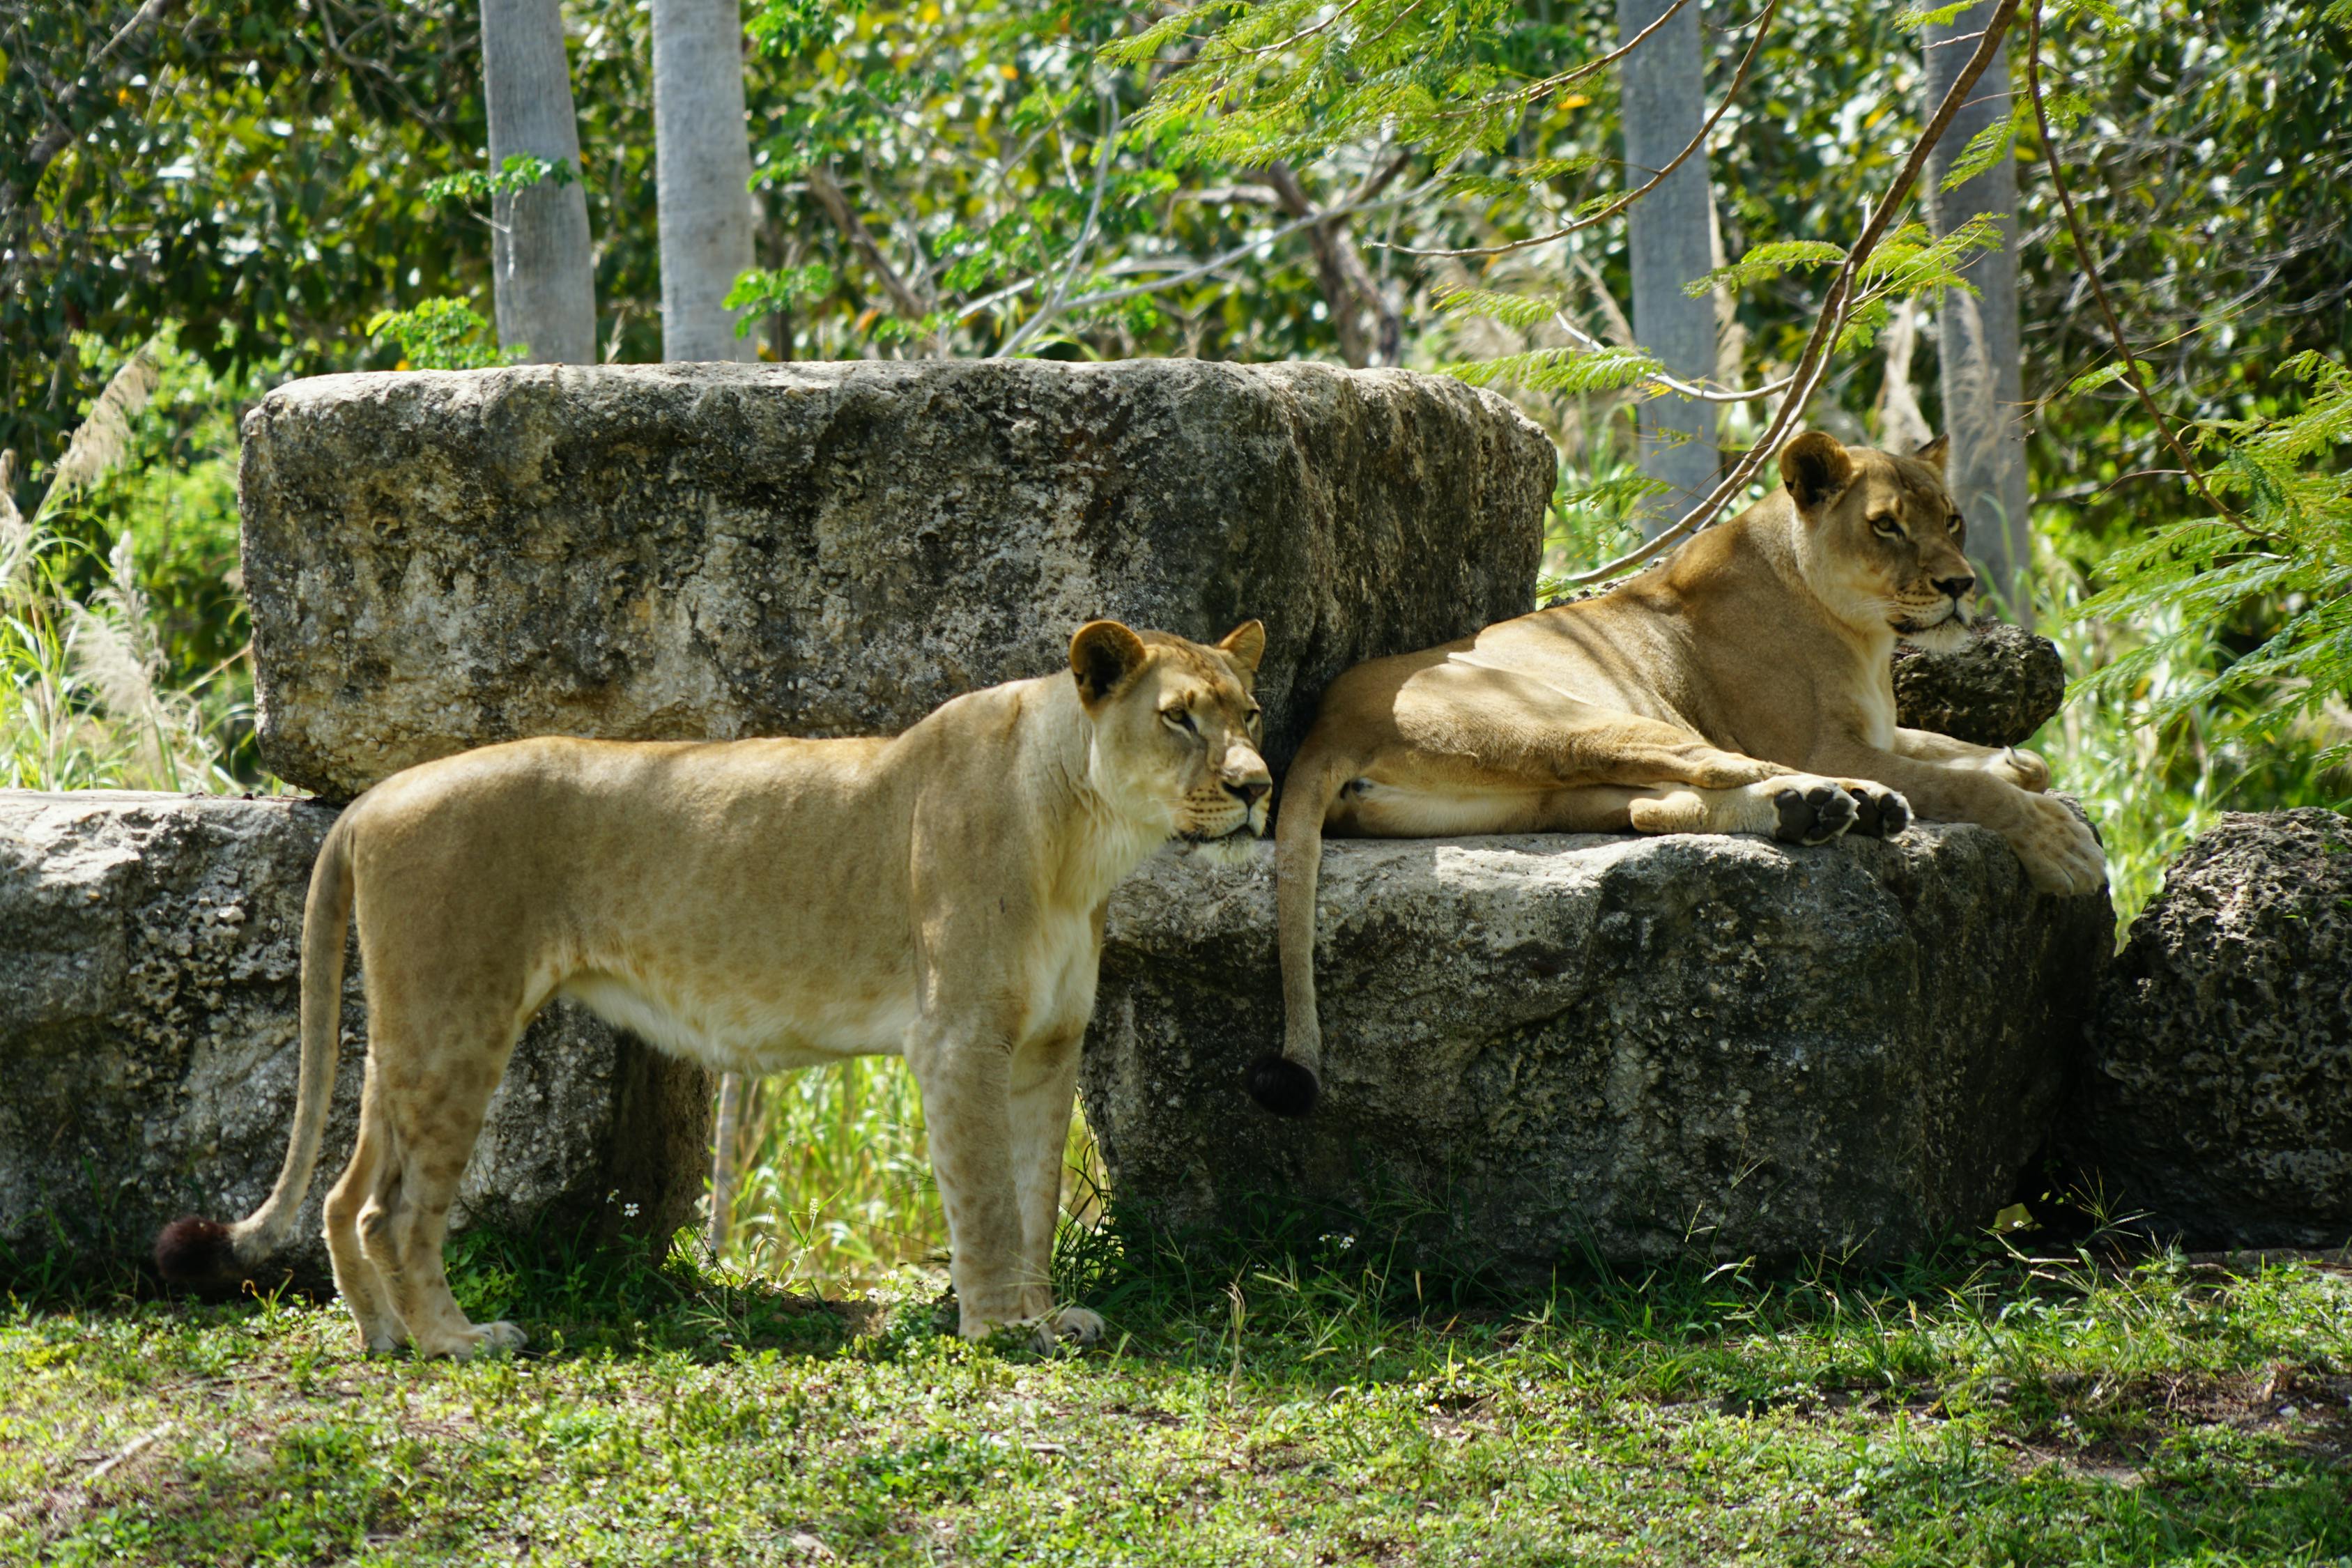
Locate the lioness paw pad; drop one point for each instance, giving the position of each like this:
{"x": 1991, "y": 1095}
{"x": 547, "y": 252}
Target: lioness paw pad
{"x": 1812, "y": 813}
{"x": 1879, "y": 813}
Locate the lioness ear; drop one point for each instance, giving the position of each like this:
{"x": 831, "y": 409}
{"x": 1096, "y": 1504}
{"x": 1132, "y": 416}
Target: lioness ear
{"x": 1246, "y": 643}
{"x": 1937, "y": 454}
{"x": 1815, "y": 468}
{"x": 1103, "y": 655}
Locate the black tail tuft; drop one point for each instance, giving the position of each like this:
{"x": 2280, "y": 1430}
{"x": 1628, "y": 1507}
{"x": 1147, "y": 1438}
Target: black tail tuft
{"x": 1282, "y": 1085}
{"x": 193, "y": 1250}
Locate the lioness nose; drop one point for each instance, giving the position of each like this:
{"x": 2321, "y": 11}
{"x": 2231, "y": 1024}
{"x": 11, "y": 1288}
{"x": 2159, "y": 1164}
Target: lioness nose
{"x": 1958, "y": 587}
{"x": 1251, "y": 791}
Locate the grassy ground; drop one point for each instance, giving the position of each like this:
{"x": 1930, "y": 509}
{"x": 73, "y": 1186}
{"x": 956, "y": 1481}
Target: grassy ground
{"x": 1985, "y": 1411}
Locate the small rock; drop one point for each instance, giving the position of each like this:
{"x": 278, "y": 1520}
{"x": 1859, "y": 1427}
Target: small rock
{"x": 1995, "y": 692}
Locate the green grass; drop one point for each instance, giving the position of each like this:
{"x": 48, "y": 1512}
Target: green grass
{"x": 1976, "y": 1411}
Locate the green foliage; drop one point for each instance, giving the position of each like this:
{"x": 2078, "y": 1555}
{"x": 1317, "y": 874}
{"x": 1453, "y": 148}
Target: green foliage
{"x": 442, "y": 334}
{"x": 517, "y": 173}
{"x": 2287, "y": 554}
{"x": 1335, "y": 1407}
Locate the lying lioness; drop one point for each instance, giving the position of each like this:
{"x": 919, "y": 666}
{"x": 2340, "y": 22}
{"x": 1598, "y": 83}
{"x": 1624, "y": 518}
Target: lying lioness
{"x": 1741, "y": 687}
{"x": 757, "y": 906}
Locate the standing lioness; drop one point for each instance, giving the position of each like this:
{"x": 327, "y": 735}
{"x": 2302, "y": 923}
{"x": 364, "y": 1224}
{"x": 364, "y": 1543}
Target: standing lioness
{"x": 1740, "y": 687}
{"x": 756, "y": 906}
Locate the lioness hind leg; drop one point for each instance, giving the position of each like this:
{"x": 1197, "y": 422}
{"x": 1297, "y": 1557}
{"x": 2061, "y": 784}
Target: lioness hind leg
{"x": 1794, "y": 808}
{"x": 435, "y": 1115}
{"x": 356, "y": 1277}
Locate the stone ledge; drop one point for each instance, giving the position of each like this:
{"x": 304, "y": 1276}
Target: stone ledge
{"x": 150, "y": 955}
{"x": 440, "y": 560}
{"x": 1645, "y": 1046}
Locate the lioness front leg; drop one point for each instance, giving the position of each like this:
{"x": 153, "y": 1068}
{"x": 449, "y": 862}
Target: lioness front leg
{"x": 2010, "y": 764}
{"x": 965, "y": 1077}
{"x": 1045, "y": 1087}
{"x": 2059, "y": 851}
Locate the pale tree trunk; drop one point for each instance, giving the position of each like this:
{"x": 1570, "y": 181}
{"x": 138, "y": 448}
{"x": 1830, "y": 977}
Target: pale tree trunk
{"x": 1663, "y": 102}
{"x": 1977, "y": 337}
{"x": 702, "y": 168}
{"x": 543, "y": 274}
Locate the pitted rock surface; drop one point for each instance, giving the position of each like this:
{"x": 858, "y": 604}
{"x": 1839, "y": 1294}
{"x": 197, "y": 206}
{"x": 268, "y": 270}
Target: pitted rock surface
{"x": 1997, "y": 691}
{"x": 2218, "y": 1100}
{"x": 150, "y": 955}
{"x": 440, "y": 560}
{"x": 1648, "y": 1045}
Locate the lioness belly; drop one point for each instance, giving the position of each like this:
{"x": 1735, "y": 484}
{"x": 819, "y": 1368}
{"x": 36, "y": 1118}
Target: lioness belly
{"x": 754, "y": 1030}
{"x": 1373, "y": 810}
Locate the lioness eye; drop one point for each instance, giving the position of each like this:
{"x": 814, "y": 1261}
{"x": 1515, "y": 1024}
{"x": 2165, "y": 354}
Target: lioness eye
{"x": 1885, "y": 528}
{"x": 1178, "y": 718}
{"x": 1257, "y": 714}
{"x": 1958, "y": 523}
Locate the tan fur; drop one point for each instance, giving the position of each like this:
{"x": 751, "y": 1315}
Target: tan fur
{"x": 1688, "y": 699}
{"x": 759, "y": 906}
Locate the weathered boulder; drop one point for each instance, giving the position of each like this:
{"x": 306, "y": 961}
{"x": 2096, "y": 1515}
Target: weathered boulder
{"x": 441, "y": 560}
{"x": 149, "y": 962}
{"x": 2218, "y": 1103}
{"x": 1995, "y": 692}
{"x": 1642, "y": 1046}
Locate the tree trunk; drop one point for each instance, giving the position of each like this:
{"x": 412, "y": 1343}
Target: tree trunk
{"x": 1976, "y": 338}
{"x": 543, "y": 273}
{"x": 702, "y": 166}
{"x": 1664, "y": 100}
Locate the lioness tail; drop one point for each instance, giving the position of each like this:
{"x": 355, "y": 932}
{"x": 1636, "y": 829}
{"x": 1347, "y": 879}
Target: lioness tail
{"x": 1288, "y": 1084}
{"x": 193, "y": 1250}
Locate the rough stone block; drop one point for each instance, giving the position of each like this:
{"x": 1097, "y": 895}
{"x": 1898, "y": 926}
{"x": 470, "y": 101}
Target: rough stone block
{"x": 2218, "y": 1106}
{"x": 441, "y": 559}
{"x": 150, "y": 954}
{"x": 1643, "y": 1045}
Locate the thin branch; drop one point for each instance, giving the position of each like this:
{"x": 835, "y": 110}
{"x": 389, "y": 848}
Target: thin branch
{"x": 1106, "y": 150}
{"x": 2091, "y": 274}
{"x": 1552, "y": 84}
{"x": 1687, "y": 389}
{"x": 1814, "y": 360}
{"x": 836, "y": 207}
{"x": 1218, "y": 263}
{"x": 1747, "y": 64}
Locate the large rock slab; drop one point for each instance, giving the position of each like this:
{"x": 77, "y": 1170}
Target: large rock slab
{"x": 2218, "y": 1106}
{"x": 1539, "y": 1045}
{"x": 440, "y": 560}
{"x": 150, "y": 954}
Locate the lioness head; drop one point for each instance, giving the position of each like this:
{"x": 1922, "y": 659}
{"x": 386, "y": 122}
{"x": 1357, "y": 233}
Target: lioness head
{"x": 1176, "y": 730}
{"x": 1881, "y": 541}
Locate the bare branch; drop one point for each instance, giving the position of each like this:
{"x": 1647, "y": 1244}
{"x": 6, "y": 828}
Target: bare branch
{"x": 1814, "y": 360}
{"x": 836, "y": 207}
{"x": 2130, "y": 366}
{"x": 1747, "y": 64}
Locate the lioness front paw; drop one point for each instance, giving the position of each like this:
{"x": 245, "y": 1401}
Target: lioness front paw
{"x": 1879, "y": 812}
{"x": 482, "y": 1340}
{"x": 2021, "y": 768}
{"x": 1812, "y": 810}
{"x": 1070, "y": 1328}
{"x": 2059, "y": 850}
